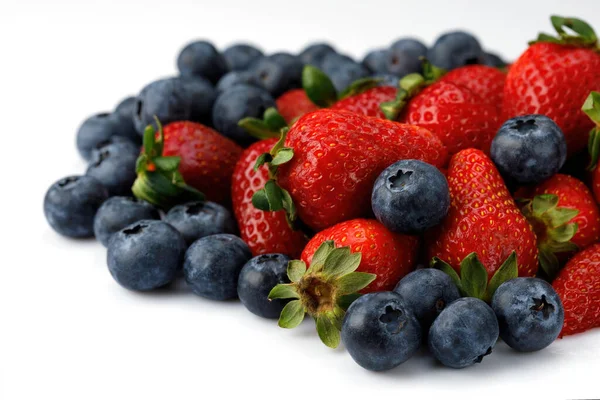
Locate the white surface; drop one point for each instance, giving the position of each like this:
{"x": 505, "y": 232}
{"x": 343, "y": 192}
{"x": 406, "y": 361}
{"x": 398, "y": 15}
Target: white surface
{"x": 70, "y": 332}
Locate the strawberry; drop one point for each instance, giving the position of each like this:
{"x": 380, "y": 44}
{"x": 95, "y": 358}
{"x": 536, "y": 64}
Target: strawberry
{"x": 578, "y": 286}
{"x": 483, "y": 223}
{"x": 388, "y": 255}
{"x": 207, "y": 157}
{"x": 565, "y": 218}
{"x": 264, "y": 232}
{"x": 368, "y": 102}
{"x": 554, "y": 76}
{"x": 293, "y": 104}
{"x": 331, "y": 161}
{"x": 486, "y": 82}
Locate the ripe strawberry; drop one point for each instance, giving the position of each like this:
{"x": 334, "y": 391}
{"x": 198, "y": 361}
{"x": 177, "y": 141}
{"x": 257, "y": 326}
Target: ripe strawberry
{"x": 483, "y": 219}
{"x": 207, "y": 157}
{"x": 293, "y": 104}
{"x": 578, "y": 286}
{"x": 486, "y": 82}
{"x": 368, "y": 102}
{"x": 335, "y": 158}
{"x": 264, "y": 232}
{"x": 388, "y": 255}
{"x": 554, "y": 76}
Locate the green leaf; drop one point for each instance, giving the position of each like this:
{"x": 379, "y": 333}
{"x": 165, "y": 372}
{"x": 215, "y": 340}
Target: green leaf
{"x": 543, "y": 203}
{"x": 164, "y": 189}
{"x": 592, "y": 107}
{"x": 261, "y": 160}
{"x": 167, "y": 163}
{"x": 292, "y": 315}
{"x": 141, "y": 164}
{"x": 337, "y": 317}
{"x": 392, "y": 109}
{"x": 412, "y": 83}
{"x": 473, "y": 276}
{"x": 339, "y": 266}
{"x": 558, "y": 247}
{"x": 346, "y": 300}
{"x": 563, "y": 233}
{"x": 318, "y": 87}
{"x": 269, "y": 198}
{"x": 284, "y": 291}
{"x": 583, "y": 30}
{"x": 149, "y": 141}
{"x": 327, "y": 331}
{"x": 296, "y": 270}
{"x": 445, "y": 267}
{"x": 274, "y": 120}
{"x": 318, "y": 260}
{"x": 359, "y": 86}
{"x": 353, "y": 282}
{"x": 335, "y": 257}
{"x": 259, "y": 200}
{"x": 284, "y": 155}
{"x": 560, "y": 216}
{"x": 549, "y": 263}
{"x": 507, "y": 271}
{"x": 594, "y": 148}
{"x": 257, "y": 128}
{"x": 431, "y": 73}
{"x": 289, "y": 207}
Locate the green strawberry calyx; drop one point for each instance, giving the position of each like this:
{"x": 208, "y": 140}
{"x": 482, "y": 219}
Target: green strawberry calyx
{"x": 554, "y": 228}
{"x": 410, "y": 86}
{"x": 269, "y": 126}
{"x": 592, "y": 108}
{"x": 584, "y": 35}
{"x": 320, "y": 89}
{"x": 159, "y": 181}
{"x": 323, "y": 291}
{"x": 473, "y": 278}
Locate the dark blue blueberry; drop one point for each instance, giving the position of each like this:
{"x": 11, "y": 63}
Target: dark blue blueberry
{"x": 292, "y": 64}
{"x": 71, "y": 203}
{"x": 343, "y": 72}
{"x": 376, "y": 61}
{"x": 387, "y": 80}
{"x": 236, "y": 103}
{"x": 202, "y": 59}
{"x": 404, "y": 57}
{"x": 235, "y": 78}
{"x": 118, "y": 212}
{"x": 123, "y": 116}
{"x": 380, "y": 331}
{"x": 493, "y": 60}
{"x": 258, "y": 277}
{"x": 174, "y": 99}
{"x": 239, "y": 56}
{"x": 145, "y": 255}
{"x": 427, "y": 292}
{"x": 529, "y": 312}
{"x": 199, "y": 219}
{"x": 410, "y": 197}
{"x": 464, "y": 333}
{"x": 315, "y": 53}
{"x": 271, "y": 75}
{"x": 95, "y": 130}
{"x": 455, "y": 49}
{"x": 212, "y": 265}
{"x": 114, "y": 166}
{"x": 529, "y": 149}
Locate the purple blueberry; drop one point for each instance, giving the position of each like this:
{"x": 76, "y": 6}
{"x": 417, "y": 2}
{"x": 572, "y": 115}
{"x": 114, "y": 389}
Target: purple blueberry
{"x": 314, "y": 54}
{"x": 404, "y": 57}
{"x": 291, "y": 63}
{"x": 240, "y": 56}
{"x": 199, "y": 219}
{"x": 376, "y": 61}
{"x": 270, "y": 75}
{"x": 235, "y": 78}
{"x": 113, "y": 164}
{"x": 455, "y": 49}
{"x": 201, "y": 59}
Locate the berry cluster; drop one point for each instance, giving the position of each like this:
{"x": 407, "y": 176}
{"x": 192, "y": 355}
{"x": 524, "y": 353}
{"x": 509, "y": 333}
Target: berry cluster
{"x": 432, "y": 196}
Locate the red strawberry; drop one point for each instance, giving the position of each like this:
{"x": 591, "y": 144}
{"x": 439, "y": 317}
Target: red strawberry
{"x": 293, "y": 104}
{"x": 483, "y": 219}
{"x": 486, "y": 82}
{"x": 264, "y": 232}
{"x": 578, "y": 286}
{"x": 207, "y": 157}
{"x": 337, "y": 155}
{"x": 388, "y": 255}
{"x": 368, "y": 102}
{"x": 553, "y": 77}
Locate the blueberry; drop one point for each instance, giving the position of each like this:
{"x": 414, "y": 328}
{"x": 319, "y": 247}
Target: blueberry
{"x": 201, "y": 59}
{"x": 271, "y": 75}
{"x": 292, "y": 64}
{"x": 529, "y": 149}
{"x": 427, "y": 292}
{"x": 404, "y": 57}
{"x": 113, "y": 164}
{"x": 260, "y": 275}
{"x": 315, "y": 53}
{"x": 212, "y": 265}
{"x": 236, "y": 103}
{"x": 199, "y": 219}
{"x": 71, "y": 203}
{"x": 174, "y": 99}
{"x": 380, "y": 331}
{"x": 493, "y": 60}
{"x": 343, "y": 72}
{"x": 145, "y": 255}
{"x": 95, "y": 130}
{"x": 376, "y": 61}
{"x": 529, "y": 312}
{"x": 239, "y": 56}
{"x": 455, "y": 49}
{"x": 464, "y": 333}
{"x": 235, "y": 78}
{"x": 118, "y": 212}
{"x": 410, "y": 196}
{"x": 123, "y": 117}
{"x": 387, "y": 80}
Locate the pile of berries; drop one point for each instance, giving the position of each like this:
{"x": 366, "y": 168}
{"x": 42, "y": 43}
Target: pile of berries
{"x": 430, "y": 196}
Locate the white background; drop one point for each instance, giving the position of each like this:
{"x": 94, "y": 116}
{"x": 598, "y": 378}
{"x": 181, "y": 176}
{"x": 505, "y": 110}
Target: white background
{"x": 70, "y": 332}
